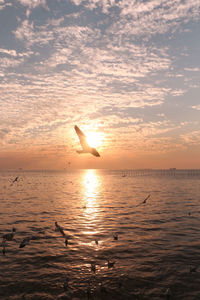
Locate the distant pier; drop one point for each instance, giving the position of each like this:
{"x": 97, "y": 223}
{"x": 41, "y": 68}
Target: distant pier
{"x": 173, "y": 172}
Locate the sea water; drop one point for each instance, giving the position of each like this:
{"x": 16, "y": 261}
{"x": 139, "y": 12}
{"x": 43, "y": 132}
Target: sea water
{"x": 158, "y": 241}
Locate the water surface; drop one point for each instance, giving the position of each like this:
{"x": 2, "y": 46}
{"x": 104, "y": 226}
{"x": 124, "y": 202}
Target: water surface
{"x": 158, "y": 241}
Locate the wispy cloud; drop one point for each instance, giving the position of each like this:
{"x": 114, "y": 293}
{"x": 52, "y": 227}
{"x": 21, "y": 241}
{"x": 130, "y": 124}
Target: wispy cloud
{"x": 122, "y": 67}
{"x": 197, "y": 107}
{"x": 192, "y": 69}
{"x": 4, "y": 4}
{"x": 33, "y": 3}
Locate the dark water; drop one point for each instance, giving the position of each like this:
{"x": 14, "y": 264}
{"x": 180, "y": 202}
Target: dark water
{"x": 158, "y": 241}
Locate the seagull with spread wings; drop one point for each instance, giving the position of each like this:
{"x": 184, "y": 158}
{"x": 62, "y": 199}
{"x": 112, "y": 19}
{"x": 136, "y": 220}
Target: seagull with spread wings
{"x": 84, "y": 144}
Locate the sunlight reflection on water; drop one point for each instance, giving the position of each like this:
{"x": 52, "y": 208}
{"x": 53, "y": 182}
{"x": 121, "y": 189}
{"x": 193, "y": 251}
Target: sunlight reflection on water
{"x": 90, "y": 192}
{"x": 154, "y": 239}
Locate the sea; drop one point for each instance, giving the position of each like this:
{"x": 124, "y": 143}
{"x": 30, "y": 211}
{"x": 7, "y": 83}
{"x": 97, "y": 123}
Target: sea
{"x": 116, "y": 245}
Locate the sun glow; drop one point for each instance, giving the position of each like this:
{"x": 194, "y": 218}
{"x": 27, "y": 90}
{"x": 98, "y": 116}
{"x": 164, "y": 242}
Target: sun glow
{"x": 94, "y": 139}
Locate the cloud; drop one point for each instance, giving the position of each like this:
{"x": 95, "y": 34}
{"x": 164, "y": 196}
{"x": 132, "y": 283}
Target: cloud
{"x": 146, "y": 18}
{"x": 3, "y": 133}
{"x": 9, "y": 62}
{"x": 192, "y": 69}
{"x": 191, "y": 138}
{"x": 14, "y": 53}
{"x": 33, "y": 3}
{"x": 10, "y": 58}
{"x": 197, "y": 107}
{"x": 30, "y": 34}
{"x": 3, "y": 4}
{"x": 108, "y": 65}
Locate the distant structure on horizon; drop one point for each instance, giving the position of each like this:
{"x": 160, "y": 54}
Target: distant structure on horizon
{"x": 161, "y": 172}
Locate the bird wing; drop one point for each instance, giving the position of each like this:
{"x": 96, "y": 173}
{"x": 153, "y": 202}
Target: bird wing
{"x": 147, "y": 197}
{"x": 95, "y": 152}
{"x": 82, "y": 137}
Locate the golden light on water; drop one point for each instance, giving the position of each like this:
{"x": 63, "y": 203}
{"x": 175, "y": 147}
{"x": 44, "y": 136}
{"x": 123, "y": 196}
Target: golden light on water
{"x": 91, "y": 185}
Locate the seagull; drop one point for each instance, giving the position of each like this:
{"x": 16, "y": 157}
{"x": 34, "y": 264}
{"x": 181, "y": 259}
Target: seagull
{"x": 66, "y": 242}
{"x": 193, "y": 269}
{"x": 4, "y": 247}
{"x": 85, "y": 146}
{"x": 15, "y": 180}
{"x": 24, "y": 242}
{"x": 93, "y": 267}
{"x": 111, "y": 264}
{"x": 9, "y": 236}
{"x": 115, "y": 236}
{"x": 145, "y": 200}
{"x": 120, "y": 284}
{"x": 66, "y": 284}
{"x": 168, "y": 293}
{"x": 89, "y": 293}
{"x": 102, "y": 288}
{"x": 59, "y": 228}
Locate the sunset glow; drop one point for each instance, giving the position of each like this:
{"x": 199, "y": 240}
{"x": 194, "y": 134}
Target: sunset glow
{"x": 94, "y": 139}
{"x": 126, "y": 72}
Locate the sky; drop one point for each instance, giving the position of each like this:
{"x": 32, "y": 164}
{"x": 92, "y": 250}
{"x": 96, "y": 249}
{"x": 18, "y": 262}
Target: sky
{"x": 127, "y": 72}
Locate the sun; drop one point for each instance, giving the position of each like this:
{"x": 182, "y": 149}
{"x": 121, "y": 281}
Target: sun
{"x": 94, "y": 139}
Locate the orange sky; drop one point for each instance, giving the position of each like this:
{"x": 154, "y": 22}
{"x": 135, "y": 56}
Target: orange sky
{"x": 118, "y": 160}
{"x": 125, "y": 71}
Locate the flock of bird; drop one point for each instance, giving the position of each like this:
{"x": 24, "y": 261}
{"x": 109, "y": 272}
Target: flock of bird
{"x": 110, "y": 264}
{"x": 8, "y": 237}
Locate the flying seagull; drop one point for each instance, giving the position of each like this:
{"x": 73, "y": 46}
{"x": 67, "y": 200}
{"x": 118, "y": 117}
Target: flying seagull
{"x": 111, "y": 264}
{"x": 59, "y": 228}
{"x": 4, "y": 247}
{"x": 193, "y": 269}
{"x": 115, "y": 236}
{"x": 9, "y": 236}
{"x": 93, "y": 267}
{"x": 144, "y": 201}
{"x": 84, "y": 144}
{"x": 16, "y": 179}
{"x": 25, "y": 242}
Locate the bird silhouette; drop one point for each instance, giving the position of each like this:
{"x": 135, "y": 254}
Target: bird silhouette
{"x": 59, "y": 228}
{"x": 16, "y": 179}
{"x": 193, "y": 269}
{"x": 84, "y": 144}
{"x": 111, "y": 264}
{"x": 9, "y": 236}
{"x": 93, "y": 267}
{"x": 115, "y": 236}
{"x": 24, "y": 242}
{"x": 66, "y": 242}
{"x": 145, "y": 200}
